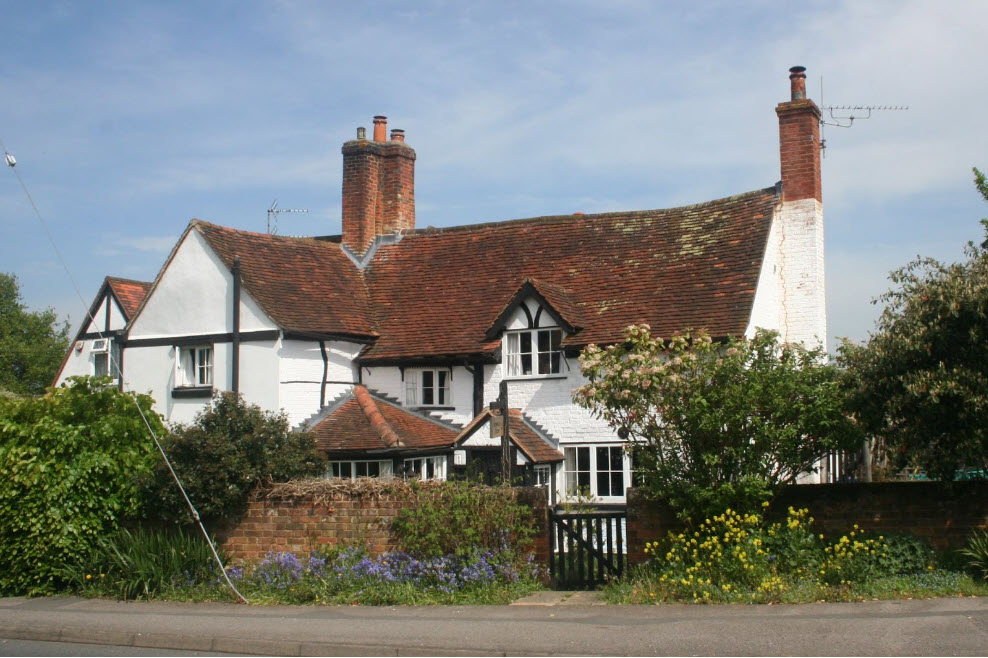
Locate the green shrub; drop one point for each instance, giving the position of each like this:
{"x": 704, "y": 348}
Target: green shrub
{"x": 68, "y": 462}
{"x": 976, "y": 553}
{"x": 462, "y": 518}
{"x": 229, "y": 449}
{"x": 907, "y": 554}
{"x": 143, "y": 564}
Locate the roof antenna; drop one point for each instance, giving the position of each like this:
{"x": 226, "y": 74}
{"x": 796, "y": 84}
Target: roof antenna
{"x": 273, "y": 213}
{"x": 841, "y": 116}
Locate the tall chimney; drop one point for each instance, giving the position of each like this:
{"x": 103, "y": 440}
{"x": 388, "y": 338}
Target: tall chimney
{"x": 799, "y": 141}
{"x": 378, "y": 186}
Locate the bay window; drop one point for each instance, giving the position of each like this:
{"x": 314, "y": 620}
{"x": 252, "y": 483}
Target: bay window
{"x": 595, "y": 471}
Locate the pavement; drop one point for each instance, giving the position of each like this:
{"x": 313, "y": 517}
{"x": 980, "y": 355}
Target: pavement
{"x": 549, "y": 623}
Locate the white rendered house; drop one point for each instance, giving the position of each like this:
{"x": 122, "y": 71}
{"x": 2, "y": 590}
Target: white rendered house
{"x": 390, "y": 341}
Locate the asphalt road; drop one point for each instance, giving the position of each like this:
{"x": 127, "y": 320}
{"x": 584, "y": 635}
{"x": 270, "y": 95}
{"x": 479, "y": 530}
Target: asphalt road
{"x": 36, "y": 648}
{"x": 935, "y": 627}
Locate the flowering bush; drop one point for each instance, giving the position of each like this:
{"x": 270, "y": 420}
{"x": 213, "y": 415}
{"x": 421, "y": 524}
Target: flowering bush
{"x": 714, "y": 425}
{"x": 735, "y": 557}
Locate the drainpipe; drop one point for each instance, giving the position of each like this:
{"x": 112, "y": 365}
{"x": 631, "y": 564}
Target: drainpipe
{"x": 236, "y": 325}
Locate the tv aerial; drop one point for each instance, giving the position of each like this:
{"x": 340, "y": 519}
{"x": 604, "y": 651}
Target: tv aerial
{"x": 273, "y": 213}
{"x": 843, "y": 116}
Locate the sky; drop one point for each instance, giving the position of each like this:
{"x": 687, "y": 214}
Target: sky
{"x": 128, "y": 119}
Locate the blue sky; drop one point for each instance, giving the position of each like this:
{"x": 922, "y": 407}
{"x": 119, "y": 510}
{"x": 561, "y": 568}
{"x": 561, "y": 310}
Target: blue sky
{"x": 130, "y": 118}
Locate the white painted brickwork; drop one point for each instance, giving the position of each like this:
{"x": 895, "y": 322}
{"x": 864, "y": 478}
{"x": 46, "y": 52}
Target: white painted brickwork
{"x": 388, "y": 382}
{"x": 791, "y": 296}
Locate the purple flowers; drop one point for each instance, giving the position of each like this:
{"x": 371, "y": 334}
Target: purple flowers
{"x": 353, "y": 568}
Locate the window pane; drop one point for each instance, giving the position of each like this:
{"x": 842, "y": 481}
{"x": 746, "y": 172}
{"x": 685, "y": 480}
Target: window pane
{"x": 617, "y": 463}
{"x": 617, "y": 484}
{"x": 334, "y": 469}
{"x": 557, "y": 339}
{"x": 526, "y": 342}
{"x": 99, "y": 364}
{"x": 430, "y": 469}
{"x": 603, "y": 459}
{"x": 583, "y": 478}
{"x": 603, "y": 484}
{"x": 583, "y": 460}
{"x": 526, "y": 364}
{"x": 544, "y": 338}
{"x": 442, "y": 390}
{"x": 373, "y": 469}
{"x": 361, "y": 469}
{"x": 114, "y": 365}
{"x": 554, "y": 363}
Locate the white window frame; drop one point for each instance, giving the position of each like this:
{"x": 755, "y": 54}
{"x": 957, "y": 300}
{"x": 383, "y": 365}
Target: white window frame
{"x": 540, "y": 360}
{"x": 416, "y": 391}
{"x": 385, "y": 468}
{"x": 542, "y": 475}
{"x": 594, "y": 472}
{"x": 194, "y": 366}
{"x": 428, "y": 468}
{"x": 106, "y": 348}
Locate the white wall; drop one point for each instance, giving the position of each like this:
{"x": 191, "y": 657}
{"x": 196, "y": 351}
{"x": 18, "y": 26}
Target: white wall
{"x": 194, "y": 296}
{"x": 388, "y": 381}
{"x": 791, "y": 295}
{"x": 300, "y": 375}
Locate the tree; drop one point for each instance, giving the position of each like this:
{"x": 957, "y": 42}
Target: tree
{"x": 32, "y": 345}
{"x": 919, "y": 385}
{"x": 69, "y": 463}
{"x": 714, "y": 425}
{"x": 228, "y": 450}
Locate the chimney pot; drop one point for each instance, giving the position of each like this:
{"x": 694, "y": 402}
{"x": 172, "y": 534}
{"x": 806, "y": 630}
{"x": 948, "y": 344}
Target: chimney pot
{"x": 797, "y": 80}
{"x": 380, "y": 128}
{"x": 361, "y": 133}
{"x": 397, "y": 135}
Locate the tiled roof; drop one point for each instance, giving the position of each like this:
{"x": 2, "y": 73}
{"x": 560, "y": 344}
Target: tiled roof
{"x": 521, "y": 433}
{"x": 362, "y": 422}
{"x": 437, "y": 291}
{"x": 305, "y": 285}
{"x": 128, "y": 292}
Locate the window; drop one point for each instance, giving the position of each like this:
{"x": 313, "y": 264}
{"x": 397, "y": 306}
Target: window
{"x": 426, "y": 468}
{"x": 428, "y": 388}
{"x": 542, "y": 476}
{"x": 351, "y": 470}
{"x": 106, "y": 358}
{"x": 195, "y": 367}
{"x": 595, "y": 471}
{"x": 533, "y": 352}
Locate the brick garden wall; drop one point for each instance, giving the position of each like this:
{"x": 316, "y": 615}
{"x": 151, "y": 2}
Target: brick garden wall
{"x": 944, "y": 516}
{"x": 302, "y": 523}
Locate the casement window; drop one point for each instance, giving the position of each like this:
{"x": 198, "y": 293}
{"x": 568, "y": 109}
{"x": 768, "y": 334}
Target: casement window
{"x": 533, "y": 352}
{"x": 428, "y": 388}
{"x": 543, "y": 475}
{"x": 596, "y": 471}
{"x": 106, "y": 358}
{"x": 195, "y": 366}
{"x": 426, "y": 468}
{"x": 351, "y": 470}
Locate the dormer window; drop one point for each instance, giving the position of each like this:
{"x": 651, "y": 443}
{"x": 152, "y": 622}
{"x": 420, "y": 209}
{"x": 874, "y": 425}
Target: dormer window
{"x": 428, "y": 388}
{"x": 533, "y": 352}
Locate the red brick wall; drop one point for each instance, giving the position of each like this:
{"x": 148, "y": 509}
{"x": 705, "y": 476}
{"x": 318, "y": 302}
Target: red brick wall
{"x": 944, "y": 516}
{"x": 378, "y": 190}
{"x": 300, "y": 524}
{"x": 799, "y": 150}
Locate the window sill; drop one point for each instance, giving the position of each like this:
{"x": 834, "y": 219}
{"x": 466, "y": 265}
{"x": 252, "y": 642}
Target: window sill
{"x": 192, "y": 392}
{"x": 527, "y": 378}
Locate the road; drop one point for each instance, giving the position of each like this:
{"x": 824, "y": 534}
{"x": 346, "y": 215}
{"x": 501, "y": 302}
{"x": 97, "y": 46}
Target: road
{"x": 935, "y": 627}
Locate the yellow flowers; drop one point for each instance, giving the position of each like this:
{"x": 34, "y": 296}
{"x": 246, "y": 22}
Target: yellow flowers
{"x": 89, "y": 576}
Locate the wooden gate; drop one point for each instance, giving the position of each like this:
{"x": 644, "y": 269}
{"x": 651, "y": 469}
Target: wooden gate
{"x": 586, "y": 549}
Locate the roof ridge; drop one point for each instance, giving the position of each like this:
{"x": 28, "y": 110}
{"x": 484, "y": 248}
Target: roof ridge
{"x": 375, "y": 417}
{"x": 547, "y": 219}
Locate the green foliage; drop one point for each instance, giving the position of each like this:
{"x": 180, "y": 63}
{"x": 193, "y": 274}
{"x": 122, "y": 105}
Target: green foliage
{"x": 920, "y": 383}
{"x": 976, "y": 553}
{"x": 68, "y": 462}
{"x": 740, "y": 558}
{"x": 142, "y": 564}
{"x": 462, "y": 518}
{"x": 32, "y": 345}
{"x": 222, "y": 456}
{"x": 714, "y": 425}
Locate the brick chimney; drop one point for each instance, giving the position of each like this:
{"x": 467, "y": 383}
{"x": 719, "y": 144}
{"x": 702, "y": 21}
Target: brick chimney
{"x": 378, "y": 186}
{"x": 799, "y": 141}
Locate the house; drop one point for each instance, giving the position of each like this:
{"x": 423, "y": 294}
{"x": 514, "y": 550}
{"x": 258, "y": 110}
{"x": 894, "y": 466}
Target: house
{"x": 97, "y": 348}
{"x": 390, "y": 341}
